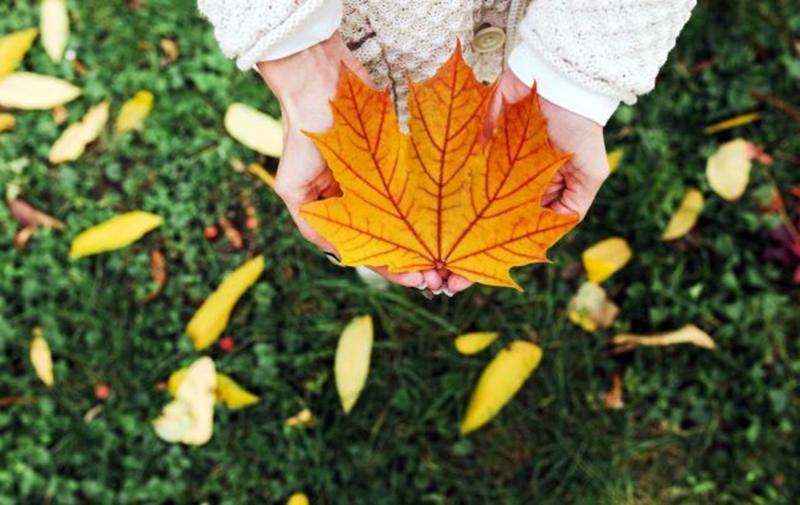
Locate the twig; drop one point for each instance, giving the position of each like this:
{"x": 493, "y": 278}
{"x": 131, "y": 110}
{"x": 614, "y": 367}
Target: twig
{"x": 777, "y": 103}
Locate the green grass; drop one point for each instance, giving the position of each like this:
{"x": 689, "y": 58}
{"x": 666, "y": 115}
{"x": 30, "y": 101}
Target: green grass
{"x": 697, "y": 426}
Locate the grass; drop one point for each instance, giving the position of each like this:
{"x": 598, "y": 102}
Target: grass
{"x": 697, "y": 426}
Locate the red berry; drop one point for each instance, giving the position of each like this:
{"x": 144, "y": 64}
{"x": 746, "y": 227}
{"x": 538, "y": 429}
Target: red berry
{"x": 102, "y": 391}
{"x": 251, "y": 223}
{"x": 211, "y": 232}
{"x": 226, "y": 344}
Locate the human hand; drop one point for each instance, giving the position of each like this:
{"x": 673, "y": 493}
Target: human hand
{"x": 304, "y": 83}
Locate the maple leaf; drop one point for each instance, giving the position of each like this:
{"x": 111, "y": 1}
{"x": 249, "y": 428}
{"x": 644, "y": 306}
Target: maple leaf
{"x": 438, "y": 197}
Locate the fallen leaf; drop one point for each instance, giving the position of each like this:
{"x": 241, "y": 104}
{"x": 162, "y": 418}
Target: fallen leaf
{"x": 233, "y": 235}
{"x": 473, "y": 343}
{"x": 118, "y": 232}
{"x": 92, "y": 413}
{"x": 29, "y": 91}
{"x": 13, "y": 48}
{"x": 614, "y": 159}
{"x": 212, "y": 317}
{"x": 232, "y": 395}
{"x": 728, "y": 170}
{"x": 170, "y": 50}
{"x": 60, "y": 115}
{"x": 499, "y": 382}
{"x": 351, "y": 366}
{"x": 29, "y": 217}
{"x": 22, "y": 237}
{"x": 438, "y": 198}
{"x": 189, "y": 418}
{"x": 9, "y": 401}
{"x": 158, "y": 269}
{"x": 55, "y": 28}
{"x": 254, "y": 129}
{"x": 298, "y": 499}
{"x": 591, "y": 309}
{"x": 134, "y": 112}
{"x": 613, "y": 399}
{"x": 72, "y": 143}
{"x": 7, "y": 122}
{"x": 303, "y": 418}
{"x": 261, "y": 172}
{"x": 686, "y": 216}
{"x": 605, "y": 258}
{"x": 689, "y": 334}
{"x": 41, "y": 359}
{"x": 731, "y": 123}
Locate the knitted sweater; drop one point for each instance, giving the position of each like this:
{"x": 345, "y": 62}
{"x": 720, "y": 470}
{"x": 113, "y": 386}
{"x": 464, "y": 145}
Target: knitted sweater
{"x": 586, "y": 55}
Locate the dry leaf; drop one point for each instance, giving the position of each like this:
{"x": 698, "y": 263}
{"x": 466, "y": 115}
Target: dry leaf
{"x": 499, "y": 382}
{"x": 189, "y": 418}
{"x": 28, "y": 91}
{"x": 614, "y": 159}
{"x": 60, "y": 115}
{"x": 728, "y": 170}
{"x": 686, "y": 216}
{"x": 226, "y": 390}
{"x": 13, "y": 48}
{"x": 134, "y": 112}
{"x": 613, "y": 399}
{"x": 55, "y": 28}
{"x": 72, "y": 143}
{"x": 689, "y": 334}
{"x": 41, "y": 359}
{"x": 231, "y": 233}
{"x": 352, "y": 360}
{"x": 7, "y": 122}
{"x": 303, "y": 418}
{"x": 118, "y": 232}
{"x": 211, "y": 318}
{"x": 438, "y": 198}
{"x": 261, "y": 172}
{"x": 732, "y": 123}
{"x": 605, "y": 258}
{"x": 170, "y": 49}
{"x": 298, "y": 499}
{"x": 473, "y": 343}
{"x": 29, "y": 217}
{"x": 254, "y": 129}
{"x": 158, "y": 269}
{"x": 591, "y": 309}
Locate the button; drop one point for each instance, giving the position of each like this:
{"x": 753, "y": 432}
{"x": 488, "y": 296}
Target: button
{"x": 488, "y": 39}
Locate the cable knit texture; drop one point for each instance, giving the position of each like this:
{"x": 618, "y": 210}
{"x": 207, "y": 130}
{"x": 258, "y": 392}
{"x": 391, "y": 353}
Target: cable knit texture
{"x": 612, "y": 47}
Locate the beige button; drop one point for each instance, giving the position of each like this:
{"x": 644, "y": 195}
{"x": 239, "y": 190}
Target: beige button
{"x": 489, "y": 39}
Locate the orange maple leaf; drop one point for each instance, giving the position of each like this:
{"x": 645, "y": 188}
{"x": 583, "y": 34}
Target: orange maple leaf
{"x": 438, "y": 197}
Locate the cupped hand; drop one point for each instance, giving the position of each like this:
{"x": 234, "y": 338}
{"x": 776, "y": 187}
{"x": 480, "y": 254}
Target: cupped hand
{"x": 304, "y": 83}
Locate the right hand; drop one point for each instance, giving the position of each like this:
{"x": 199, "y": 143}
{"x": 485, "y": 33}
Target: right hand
{"x": 303, "y": 83}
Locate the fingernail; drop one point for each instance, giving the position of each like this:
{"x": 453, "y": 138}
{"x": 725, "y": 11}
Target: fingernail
{"x": 427, "y": 294}
{"x": 437, "y": 291}
{"x": 447, "y": 292}
{"x": 333, "y": 258}
{"x": 423, "y": 286}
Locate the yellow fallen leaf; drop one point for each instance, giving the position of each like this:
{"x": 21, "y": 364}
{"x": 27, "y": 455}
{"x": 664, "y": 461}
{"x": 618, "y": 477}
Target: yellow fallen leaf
{"x": 352, "y": 360}
{"x": 591, "y": 309}
{"x": 175, "y": 379}
{"x": 614, "y": 159}
{"x": 733, "y": 122}
{"x": 29, "y": 91}
{"x": 118, "y": 232}
{"x": 211, "y": 318}
{"x": 686, "y": 216}
{"x": 72, "y": 143}
{"x": 134, "y": 112}
{"x": 298, "y": 499}
{"x": 41, "y": 359}
{"x": 254, "y": 129}
{"x": 689, "y": 334}
{"x": 604, "y": 258}
{"x": 232, "y": 395}
{"x": 261, "y": 172}
{"x": 189, "y": 418}
{"x": 54, "y": 24}
{"x": 302, "y": 418}
{"x": 13, "y": 48}
{"x": 473, "y": 343}
{"x": 7, "y": 122}
{"x": 499, "y": 382}
{"x": 728, "y": 170}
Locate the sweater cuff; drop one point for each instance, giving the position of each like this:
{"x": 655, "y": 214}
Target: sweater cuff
{"x": 559, "y": 89}
{"x": 310, "y": 31}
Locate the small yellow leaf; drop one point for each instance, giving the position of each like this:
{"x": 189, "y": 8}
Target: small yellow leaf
{"x": 689, "y": 334}
{"x": 118, "y": 232}
{"x": 189, "y": 418}
{"x": 211, "y": 318}
{"x": 298, "y": 499}
{"x": 499, "y": 382}
{"x": 351, "y": 366}
{"x": 28, "y": 91}
{"x": 473, "y": 343}
{"x": 302, "y": 418}
{"x": 175, "y": 379}
{"x": 733, "y": 122}
{"x": 134, "y": 112}
{"x": 72, "y": 143}
{"x": 254, "y": 129}
{"x": 614, "y": 159}
{"x": 261, "y": 172}
{"x": 686, "y": 216}
{"x": 54, "y": 24}
{"x": 728, "y": 170}
{"x": 13, "y": 48}
{"x": 7, "y": 122}
{"x": 41, "y": 359}
{"x": 604, "y": 258}
{"x": 232, "y": 395}
{"x": 591, "y": 309}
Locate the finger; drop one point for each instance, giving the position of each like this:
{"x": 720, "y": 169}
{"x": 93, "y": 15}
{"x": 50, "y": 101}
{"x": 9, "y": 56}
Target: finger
{"x": 579, "y": 194}
{"x": 432, "y": 279}
{"x": 407, "y": 279}
{"x": 457, "y": 284}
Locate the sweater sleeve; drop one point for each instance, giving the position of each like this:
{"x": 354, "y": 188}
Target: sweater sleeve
{"x": 259, "y": 30}
{"x": 588, "y": 55}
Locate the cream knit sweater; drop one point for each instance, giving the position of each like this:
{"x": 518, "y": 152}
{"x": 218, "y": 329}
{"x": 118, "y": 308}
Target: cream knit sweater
{"x": 604, "y": 51}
